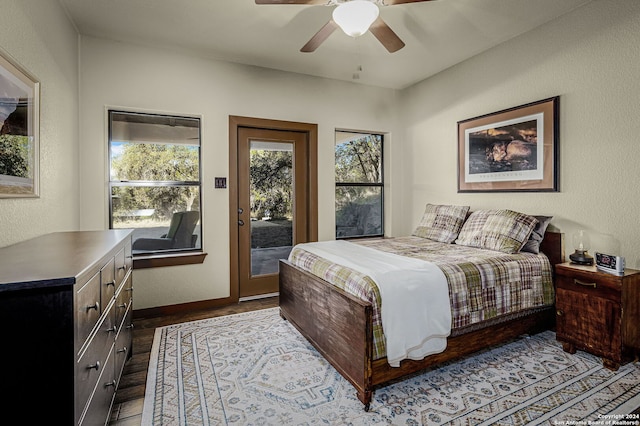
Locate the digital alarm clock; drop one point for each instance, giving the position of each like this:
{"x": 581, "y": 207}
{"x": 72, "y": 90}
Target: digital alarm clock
{"x": 609, "y": 263}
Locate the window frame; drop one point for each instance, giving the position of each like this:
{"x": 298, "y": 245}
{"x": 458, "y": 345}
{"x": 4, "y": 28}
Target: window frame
{"x": 363, "y": 185}
{"x": 168, "y": 257}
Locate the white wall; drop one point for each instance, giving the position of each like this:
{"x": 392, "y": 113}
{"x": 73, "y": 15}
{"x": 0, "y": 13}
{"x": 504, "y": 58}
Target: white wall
{"x": 591, "y": 59}
{"x": 39, "y": 37}
{"x": 125, "y": 75}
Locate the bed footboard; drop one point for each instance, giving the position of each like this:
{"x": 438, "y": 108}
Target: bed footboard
{"x": 336, "y": 323}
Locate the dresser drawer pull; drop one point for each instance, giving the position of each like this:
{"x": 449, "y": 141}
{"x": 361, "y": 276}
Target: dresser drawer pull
{"x": 559, "y": 313}
{"x": 111, "y": 383}
{"x": 113, "y": 283}
{"x": 123, "y": 306}
{"x": 95, "y": 306}
{"x": 96, "y": 366}
{"x": 122, "y": 268}
{"x": 124, "y": 349}
{"x": 112, "y": 329}
{"x": 130, "y": 326}
{"x": 582, "y": 283}
{"x": 129, "y": 289}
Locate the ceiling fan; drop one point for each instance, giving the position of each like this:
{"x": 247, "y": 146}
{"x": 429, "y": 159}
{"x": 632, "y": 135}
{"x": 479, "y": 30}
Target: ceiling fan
{"x": 354, "y": 17}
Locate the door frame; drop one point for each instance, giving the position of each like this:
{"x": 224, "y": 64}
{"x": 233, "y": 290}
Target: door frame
{"x": 311, "y": 130}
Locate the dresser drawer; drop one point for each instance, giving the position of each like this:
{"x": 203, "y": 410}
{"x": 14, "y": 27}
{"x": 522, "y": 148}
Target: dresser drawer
{"x": 97, "y": 411}
{"x": 93, "y": 360}
{"x": 88, "y": 309}
{"x": 108, "y": 282}
{"x": 120, "y": 268}
{"x": 128, "y": 257}
{"x": 123, "y": 300}
{"x": 123, "y": 342}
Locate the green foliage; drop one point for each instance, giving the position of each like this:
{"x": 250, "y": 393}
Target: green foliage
{"x": 14, "y": 156}
{"x": 271, "y": 183}
{"x": 156, "y": 163}
{"x": 360, "y": 160}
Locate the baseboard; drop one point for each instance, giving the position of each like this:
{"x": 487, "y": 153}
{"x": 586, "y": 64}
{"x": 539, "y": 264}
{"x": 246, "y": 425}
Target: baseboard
{"x": 258, "y": 296}
{"x": 182, "y": 307}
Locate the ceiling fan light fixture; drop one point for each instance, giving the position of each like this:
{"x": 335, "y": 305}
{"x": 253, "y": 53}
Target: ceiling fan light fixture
{"x": 356, "y": 16}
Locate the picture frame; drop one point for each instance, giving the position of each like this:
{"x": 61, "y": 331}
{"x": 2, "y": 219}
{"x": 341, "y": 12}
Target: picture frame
{"x": 511, "y": 150}
{"x": 19, "y": 131}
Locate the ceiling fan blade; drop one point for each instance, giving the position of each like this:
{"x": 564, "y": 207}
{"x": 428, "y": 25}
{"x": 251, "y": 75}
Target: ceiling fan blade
{"x": 386, "y": 36}
{"x": 320, "y": 37}
{"x": 292, "y": 1}
{"x": 392, "y": 2}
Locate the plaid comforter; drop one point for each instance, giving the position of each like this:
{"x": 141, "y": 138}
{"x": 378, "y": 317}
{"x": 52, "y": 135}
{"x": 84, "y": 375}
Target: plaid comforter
{"x": 483, "y": 284}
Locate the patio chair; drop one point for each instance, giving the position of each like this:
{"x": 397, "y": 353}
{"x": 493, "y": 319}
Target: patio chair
{"x": 180, "y": 234}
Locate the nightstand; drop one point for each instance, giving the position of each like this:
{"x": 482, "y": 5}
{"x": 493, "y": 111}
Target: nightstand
{"x": 598, "y": 312}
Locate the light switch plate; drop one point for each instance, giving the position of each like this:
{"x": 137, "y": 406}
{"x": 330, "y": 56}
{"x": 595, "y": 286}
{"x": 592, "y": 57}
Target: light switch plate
{"x": 220, "y": 182}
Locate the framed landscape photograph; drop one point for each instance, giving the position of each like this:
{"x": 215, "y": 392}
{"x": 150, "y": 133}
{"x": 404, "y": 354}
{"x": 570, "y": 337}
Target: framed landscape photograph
{"x": 510, "y": 150}
{"x": 19, "y": 131}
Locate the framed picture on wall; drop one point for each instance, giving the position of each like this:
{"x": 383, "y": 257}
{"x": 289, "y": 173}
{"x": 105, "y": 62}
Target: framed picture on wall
{"x": 511, "y": 150}
{"x": 19, "y": 131}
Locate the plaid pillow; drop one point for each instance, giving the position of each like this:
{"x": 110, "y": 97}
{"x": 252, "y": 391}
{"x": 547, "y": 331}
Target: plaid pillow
{"x": 500, "y": 230}
{"x": 441, "y": 223}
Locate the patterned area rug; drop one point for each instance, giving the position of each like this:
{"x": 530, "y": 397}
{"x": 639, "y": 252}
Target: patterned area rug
{"x": 256, "y": 369}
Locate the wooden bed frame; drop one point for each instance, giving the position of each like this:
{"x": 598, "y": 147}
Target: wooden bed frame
{"x": 339, "y": 326}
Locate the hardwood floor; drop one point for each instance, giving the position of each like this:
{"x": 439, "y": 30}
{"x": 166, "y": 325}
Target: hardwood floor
{"x": 127, "y": 408}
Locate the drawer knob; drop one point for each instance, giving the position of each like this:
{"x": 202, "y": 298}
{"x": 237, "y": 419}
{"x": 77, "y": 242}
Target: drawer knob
{"x": 124, "y": 349}
{"x": 130, "y": 326}
{"x": 111, "y": 383}
{"x": 122, "y": 268}
{"x": 584, "y": 284}
{"x": 111, "y": 329}
{"x": 123, "y": 306}
{"x": 112, "y": 282}
{"x": 95, "y": 306}
{"x": 96, "y": 366}
{"x": 129, "y": 289}
{"x": 559, "y": 313}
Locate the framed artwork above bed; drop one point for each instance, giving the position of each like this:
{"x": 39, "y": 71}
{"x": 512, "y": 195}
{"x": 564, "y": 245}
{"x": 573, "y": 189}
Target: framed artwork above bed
{"x": 511, "y": 150}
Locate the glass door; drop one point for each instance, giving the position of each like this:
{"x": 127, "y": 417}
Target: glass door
{"x": 272, "y": 204}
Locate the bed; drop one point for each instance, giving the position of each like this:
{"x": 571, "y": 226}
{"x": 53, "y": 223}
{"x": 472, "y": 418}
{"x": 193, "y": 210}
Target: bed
{"x": 344, "y": 325}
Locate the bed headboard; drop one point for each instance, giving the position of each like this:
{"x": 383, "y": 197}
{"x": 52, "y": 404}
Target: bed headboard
{"x": 552, "y": 246}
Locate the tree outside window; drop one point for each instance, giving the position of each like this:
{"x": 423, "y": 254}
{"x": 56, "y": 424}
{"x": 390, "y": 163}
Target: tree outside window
{"x": 359, "y": 184}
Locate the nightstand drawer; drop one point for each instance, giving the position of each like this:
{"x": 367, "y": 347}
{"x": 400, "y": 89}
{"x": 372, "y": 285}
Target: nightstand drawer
{"x": 591, "y": 286}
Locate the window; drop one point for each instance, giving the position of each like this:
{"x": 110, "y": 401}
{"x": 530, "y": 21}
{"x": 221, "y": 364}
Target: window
{"x": 359, "y": 185}
{"x": 155, "y": 186}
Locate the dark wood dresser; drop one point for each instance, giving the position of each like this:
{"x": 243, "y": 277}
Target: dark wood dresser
{"x": 66, "y": 312}
{"x": 598, "y": 312}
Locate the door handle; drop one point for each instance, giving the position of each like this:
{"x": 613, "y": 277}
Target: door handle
{"x": 241, "y": 222}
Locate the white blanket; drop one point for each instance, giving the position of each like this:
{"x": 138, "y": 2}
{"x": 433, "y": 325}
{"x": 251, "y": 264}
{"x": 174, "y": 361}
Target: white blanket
{"x": 416, "y": 316}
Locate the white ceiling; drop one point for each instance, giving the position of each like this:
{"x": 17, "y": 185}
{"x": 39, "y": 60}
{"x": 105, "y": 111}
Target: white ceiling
{"x": 437, "y": 34}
